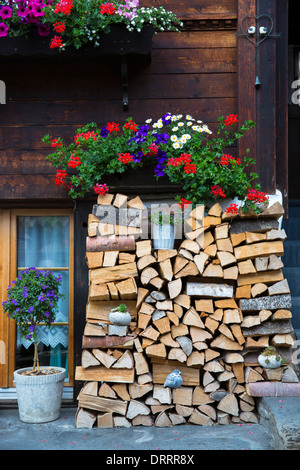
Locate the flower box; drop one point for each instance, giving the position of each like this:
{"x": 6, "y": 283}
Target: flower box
{"x": 118, "y": 42}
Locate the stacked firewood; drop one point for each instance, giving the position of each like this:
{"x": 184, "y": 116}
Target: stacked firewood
{"x": 207, "y": 309}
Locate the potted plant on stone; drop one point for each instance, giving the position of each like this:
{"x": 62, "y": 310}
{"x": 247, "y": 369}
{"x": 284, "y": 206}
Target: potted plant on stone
{"x": 119, "y": 316}
{"x": 33, "y": 298}
{"x": 270, "y": 359}
{"x": 165, "y": 220}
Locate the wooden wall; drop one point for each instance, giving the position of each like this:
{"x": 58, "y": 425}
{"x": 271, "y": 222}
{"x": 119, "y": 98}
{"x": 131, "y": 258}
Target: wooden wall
{"x": 191, "y": 72}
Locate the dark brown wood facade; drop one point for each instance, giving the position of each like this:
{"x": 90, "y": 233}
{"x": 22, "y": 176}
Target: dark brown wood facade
{"x": 207, "y": 70}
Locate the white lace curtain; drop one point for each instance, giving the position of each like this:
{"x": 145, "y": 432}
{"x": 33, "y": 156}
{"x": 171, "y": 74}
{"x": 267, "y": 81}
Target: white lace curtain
{"x": 43, "y": 242}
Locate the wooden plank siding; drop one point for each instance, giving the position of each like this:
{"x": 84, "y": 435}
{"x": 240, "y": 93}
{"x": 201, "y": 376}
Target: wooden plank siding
{"x": 191, "y": 72}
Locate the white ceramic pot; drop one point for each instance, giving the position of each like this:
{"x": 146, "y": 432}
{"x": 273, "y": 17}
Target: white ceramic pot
{"x": 269, "y": 362}
{"x": 39, "y": 396}
{"x": 119, "y": 318}
{"x": 163, "y": 236}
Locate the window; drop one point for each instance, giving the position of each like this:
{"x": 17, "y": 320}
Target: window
{"x": 41, "y": 239}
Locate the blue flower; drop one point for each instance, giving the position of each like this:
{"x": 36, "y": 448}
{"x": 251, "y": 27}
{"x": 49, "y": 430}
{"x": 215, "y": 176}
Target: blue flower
{"x": 104, "y": 132}
{"x": 161, "y": 138}
{"x": 31, "y": 328}
{"x": 159, "y": 170}
{"x": 30, "y": 310}
{"x": 47, "y": 314}
{"x": 138, "y": 156}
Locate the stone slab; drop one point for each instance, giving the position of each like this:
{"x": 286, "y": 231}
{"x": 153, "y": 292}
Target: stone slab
{"x": 266, "y": 303}
{"x": 220, "y": 291}
{"x": 273, "y": 389}
{"x": 253, "y": 225}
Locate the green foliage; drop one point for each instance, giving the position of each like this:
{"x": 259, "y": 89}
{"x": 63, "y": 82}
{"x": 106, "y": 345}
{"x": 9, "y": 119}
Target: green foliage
{"x": 32, "y": 299}
{"x": 122, "y": 308}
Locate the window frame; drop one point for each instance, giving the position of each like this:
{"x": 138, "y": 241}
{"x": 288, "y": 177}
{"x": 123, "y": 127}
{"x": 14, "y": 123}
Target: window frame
{"x": 8, "y": 255}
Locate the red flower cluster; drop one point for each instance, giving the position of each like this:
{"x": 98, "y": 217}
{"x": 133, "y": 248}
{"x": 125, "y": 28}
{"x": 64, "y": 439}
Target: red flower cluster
{"x": 56, "y": 42}
{"x": 184, "y": 158}
{"x": 59, "y": 177}
{"x": 125, "y": 158}
{"x": 74, "y": 161}
{"x": 101, "y": 189}
{"x": 232, "y": 209}
{"x": 107, "y": 9}
{"x": 225, "y": 160}
{"x": 256, "y": 196}
{"x": 217, "y": 191}
{"x": 153, "y": 149}
{"x": 112, "y": 126}
{"x": 64, "y": 6}
{"x": 190, "y": 168}
{"x": 183, "y": 202}
{"x": 85, "y": 135}
{"x": 56, "y": 143}
{"x": 59, "y": 27}
{"x": 130, "y": 125}
{"x": 231, "y": 119}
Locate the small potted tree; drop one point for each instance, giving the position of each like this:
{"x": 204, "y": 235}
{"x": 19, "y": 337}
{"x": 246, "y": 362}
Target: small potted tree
{"x": 32, "y": 299}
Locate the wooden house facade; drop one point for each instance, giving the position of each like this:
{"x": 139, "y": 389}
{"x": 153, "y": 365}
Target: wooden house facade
{"x": 212, "y": 68}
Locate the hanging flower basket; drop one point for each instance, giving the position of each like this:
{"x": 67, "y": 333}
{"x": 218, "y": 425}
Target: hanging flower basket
{"x": 119, "y": 41}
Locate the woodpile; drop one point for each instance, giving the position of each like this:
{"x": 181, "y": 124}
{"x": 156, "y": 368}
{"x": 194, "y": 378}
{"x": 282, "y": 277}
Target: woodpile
{"x": 208, "y": 309}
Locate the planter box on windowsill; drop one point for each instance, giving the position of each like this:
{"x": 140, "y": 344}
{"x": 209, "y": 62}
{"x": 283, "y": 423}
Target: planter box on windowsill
{"x": 119, "y": 41}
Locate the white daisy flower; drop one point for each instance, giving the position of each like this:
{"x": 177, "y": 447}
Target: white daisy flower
{"x": 200, "y": 122}
{"x": 189, "y": 123}
{"x": 186, "y": 136}
{"x": 148, "y": 121}
{"x": 176, "y": 145}
{"x": 175, "y": 129}
{"x": 174, "y": 138}
{"x": 180, "y": 124}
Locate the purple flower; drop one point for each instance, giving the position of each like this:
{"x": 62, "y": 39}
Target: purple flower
{"x": 161, "y": 156}
{"x": 138, "y": 156}
{"x": 104, "y": 132}
{"x": 30, "y": 310}
{"x": 28, "y": 336}
{"x": 161, "y": 138}
{"x": 31, "y": 328}
{"x": 5, "y": 12}
{"x": 166, "y": 119}
{"x": 41, "y": 297}
{"x": 43, "y": 29}
{"x": 141, "y": 134}
{"x": 47, "y": 314}
{"x": 159, "y": 170}
{"x": 22, "y": 11}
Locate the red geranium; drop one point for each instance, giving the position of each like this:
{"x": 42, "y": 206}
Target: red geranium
{"x": 183, "y": 202}
{"x": 232, "y": 209}
{"x": 125, "y": 158}
{"x": 231, "y": 119}
{"x": 131, "y": 125}
{"x": 56, "y": 42}
{"x": 107, "y": 9}
{"x": 64, "y": 6}
{"x": 85, "y": 136}
{"x": 59, "y": 177}
{"x": 74, "y": 162}
{"x": 190, "y": 168}
{"x": 112, "y": 126}
{"x": 256, "y": 196}
{"x": 217, "y": 191}
{"x": 56, "y": 143}
{"x": 59, "y": 27}
{"x": 101, "y": 189}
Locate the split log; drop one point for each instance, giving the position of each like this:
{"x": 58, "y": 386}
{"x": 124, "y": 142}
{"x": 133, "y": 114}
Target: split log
{"x": 177, "y": 355}
{"x": 162, "y": 420}
{"x": 105, "y": 420}
{"x": 209, "y": 289}
{"x": 258, "y": 249}
{"x": 102, "y": 404}
{"x": 174, "y": 288}
{"x": 110, "y": 259}
{"x": 229, "y": 404}
{"x": 136, "y": 408}
{"x": 190, "y": 375}
{"x": 94, "y": 259}
{"x": 114, "y": 273}
{"x": 112, "y": 243}
{"x": 266, "y": 303}
{"x": 102, "y": 374}
{"x": 127, "y": 289}
{"x": 260, "y": 277}
{"x": 84, "y": 419}
{"x": 143, "y": 248}
{"x": 148, "y": 274}
{"x": 99, "y": 310}
{"x": 88, "y": 359}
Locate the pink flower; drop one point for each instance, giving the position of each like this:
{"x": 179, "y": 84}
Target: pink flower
{"x": 3, "y": 30}
{"x": 5, "y": 12}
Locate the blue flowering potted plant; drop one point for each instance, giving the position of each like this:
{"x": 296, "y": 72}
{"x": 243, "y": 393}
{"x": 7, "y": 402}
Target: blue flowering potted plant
{"x": 32, "y": 299}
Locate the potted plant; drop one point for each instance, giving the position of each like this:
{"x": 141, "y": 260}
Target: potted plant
{"x": 270, "y": 359}
{"x": 61, "y": 24}
{"x": 164, "y": 222}
{"x": 119, "y": 316}
{"x": 32, "y": 299}
{"x": 179, "y": 148}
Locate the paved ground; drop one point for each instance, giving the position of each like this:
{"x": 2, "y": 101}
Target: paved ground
{"x": 279, "y": 429}
{"x": 61, "y": 434}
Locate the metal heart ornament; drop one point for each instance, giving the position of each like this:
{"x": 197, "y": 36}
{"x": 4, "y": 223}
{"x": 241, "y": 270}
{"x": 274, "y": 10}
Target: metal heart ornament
{"x": 257, "y": 19}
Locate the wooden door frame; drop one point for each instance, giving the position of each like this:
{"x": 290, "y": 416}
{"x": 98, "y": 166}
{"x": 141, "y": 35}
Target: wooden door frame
{"x": 8, "y": 232}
